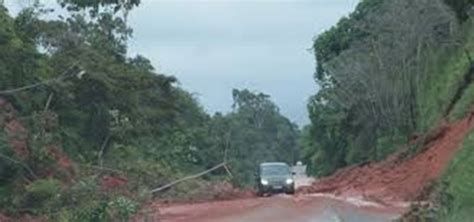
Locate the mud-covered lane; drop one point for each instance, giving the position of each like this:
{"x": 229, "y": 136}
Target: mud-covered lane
{"x": 278, "y": 208}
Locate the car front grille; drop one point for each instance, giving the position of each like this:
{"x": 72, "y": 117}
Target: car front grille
{"x": 276, "y": 182}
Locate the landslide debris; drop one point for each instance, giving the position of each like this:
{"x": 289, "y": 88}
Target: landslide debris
{"x": 397, "y": 179}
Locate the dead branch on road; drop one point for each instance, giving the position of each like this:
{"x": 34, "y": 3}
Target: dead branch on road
{"x": 188, "y": 178}
{"x": 223, "y": 164}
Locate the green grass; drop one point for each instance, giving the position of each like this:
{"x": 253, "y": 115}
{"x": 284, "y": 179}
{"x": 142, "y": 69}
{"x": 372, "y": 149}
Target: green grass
{"x": 446, "y": 74}
{"x": 464, "y": 105}
{"x": 460, "y": 185}
{"x": 458, "y": 195}
{"x": 444, "y": 77}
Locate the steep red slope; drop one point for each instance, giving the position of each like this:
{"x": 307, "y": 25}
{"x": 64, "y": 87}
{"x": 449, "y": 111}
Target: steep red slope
{"x": 396, "y": 179}
{"x": 16, "y": 133}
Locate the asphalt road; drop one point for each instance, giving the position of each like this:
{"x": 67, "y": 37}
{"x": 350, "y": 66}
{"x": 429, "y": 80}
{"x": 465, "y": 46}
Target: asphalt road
{"x": 280, "y": 208}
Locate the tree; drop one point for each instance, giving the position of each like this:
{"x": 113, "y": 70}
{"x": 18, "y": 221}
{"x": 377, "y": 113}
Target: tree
{"x": 372, "y": 66}
{"x": 256, "y": 132}
{"x": 461, "y": 7}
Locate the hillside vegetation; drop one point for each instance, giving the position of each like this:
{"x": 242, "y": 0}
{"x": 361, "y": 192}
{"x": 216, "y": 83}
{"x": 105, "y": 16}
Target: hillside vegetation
{"x": 86, "y": 132}
{"x": 391, "y": 72}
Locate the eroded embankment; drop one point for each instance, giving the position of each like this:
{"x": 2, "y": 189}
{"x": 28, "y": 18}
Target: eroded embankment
{"x": 394, "y": 179}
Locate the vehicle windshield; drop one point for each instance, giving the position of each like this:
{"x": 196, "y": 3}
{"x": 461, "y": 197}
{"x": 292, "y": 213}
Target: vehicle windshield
{"x": 275, "y": 170}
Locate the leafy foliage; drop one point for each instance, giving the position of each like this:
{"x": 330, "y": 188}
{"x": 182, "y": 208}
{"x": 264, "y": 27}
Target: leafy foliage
{"x": 385, "y": 80}
{"x": 459, "y": 186}
{"x": 461, "y": 7}
{"x": 378, "y": 69}
{"x": 102, "y": 129}
{"x": 257, "y": 132}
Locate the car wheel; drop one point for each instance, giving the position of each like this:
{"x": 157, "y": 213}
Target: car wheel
{"x": 291, "y": 192}
{"x": 260, "y": 193}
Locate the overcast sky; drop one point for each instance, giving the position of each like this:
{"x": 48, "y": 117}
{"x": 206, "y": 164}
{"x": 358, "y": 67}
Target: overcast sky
{"x": 215, "y": 46}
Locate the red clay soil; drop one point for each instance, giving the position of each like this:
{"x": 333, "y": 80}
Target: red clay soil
{"x": 16, "y": 133}
{"x": 17, "y": 137}
{"x": 111, "y": 182}
{"x": 394, "y": 180}
{"x": 199, "y": 212}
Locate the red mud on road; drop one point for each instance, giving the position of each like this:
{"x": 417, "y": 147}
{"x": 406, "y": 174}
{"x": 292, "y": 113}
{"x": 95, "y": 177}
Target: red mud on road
{"x": 396, "y": 180}
{"x": 206, "y": 211}
{"x": 275, "y": 209}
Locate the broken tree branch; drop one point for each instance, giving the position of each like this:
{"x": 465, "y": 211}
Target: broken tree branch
{"x": 228, "y": 171}
{"x": 102, "y": 168}
{"x": 223, "y": 164}
{"x": 227, "y": 146}
{"x": 30, "y": 171}
{"x": 61, "y": 77}
{"x": 101, "y": 152}
{"x": 48, "y": 102}
{"x": 188, "y": 178}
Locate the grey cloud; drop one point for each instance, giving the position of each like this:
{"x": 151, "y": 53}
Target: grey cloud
{"x": 214, "y": 46}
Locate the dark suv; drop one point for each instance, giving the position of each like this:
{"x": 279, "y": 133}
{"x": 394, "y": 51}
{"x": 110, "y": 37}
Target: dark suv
{"x": 275, "y": 177}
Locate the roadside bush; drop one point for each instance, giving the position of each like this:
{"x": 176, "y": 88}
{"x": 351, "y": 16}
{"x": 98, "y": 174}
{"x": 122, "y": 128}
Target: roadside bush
{"x": 86, "y": 201}
{"x": 460, "y": 189}
{"x": 41, "y": 195}
{"x": 187, "y": 191}
{"x": 464, "y": 105}
{"x": 92, "y": 210}
{"x": 452, "y": 198}
{"x": 123, "y": 208}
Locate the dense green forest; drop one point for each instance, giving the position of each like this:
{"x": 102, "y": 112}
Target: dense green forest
{"x": 87, "y": 131}
{"x": 389, "y": 72}
{"x": 378, "y": 69}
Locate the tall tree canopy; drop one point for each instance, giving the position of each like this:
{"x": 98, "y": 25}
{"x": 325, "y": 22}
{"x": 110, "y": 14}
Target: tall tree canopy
{"x": 373, "y": 67}
{"x": 255, "y": 132}
{"x": 89, "y": 114}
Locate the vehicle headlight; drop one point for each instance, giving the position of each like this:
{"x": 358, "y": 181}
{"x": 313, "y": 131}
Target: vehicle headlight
{"x": 264, "y": 182}
{"x": 289, "y": 181}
